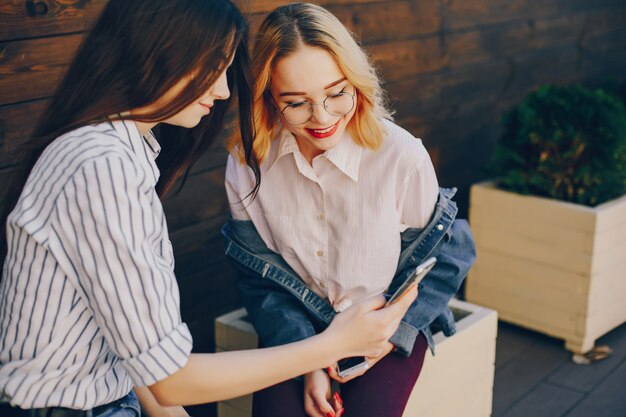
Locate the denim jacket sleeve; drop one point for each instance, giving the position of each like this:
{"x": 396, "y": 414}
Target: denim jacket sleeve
{"x": 450, "y": 241}
{"x": 277, "y": 316}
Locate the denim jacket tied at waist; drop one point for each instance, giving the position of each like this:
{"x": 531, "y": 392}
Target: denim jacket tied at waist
{"x": 283, "y": 309}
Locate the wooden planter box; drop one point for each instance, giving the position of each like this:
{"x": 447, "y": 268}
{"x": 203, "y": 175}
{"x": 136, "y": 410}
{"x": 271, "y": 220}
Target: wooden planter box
{"x": 458, "y": 381}
{"x": 555, "y": 267}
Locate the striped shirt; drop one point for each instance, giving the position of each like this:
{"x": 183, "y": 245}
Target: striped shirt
{"x": 337, "y": 221}
{"x": 89, "y": 304}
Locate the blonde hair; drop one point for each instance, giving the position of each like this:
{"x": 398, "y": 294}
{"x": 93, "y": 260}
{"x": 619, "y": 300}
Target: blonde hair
{"x": 285, "y": 30}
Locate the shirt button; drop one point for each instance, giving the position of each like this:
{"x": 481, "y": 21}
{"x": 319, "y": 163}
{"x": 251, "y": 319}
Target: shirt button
{"x": 322, "y": 285}
{"x": 320, "y": 253}
{"x": 320, "y": 217}
{"x": 440, "y": 227}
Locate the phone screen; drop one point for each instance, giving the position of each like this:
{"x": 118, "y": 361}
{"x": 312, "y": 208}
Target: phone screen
{"x": 349, "y": 366}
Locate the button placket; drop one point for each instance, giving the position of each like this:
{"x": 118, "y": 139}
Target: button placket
{"x": 322, "y": 252}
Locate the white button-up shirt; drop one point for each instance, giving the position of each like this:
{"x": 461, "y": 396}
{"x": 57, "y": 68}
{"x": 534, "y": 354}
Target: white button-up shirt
{"x": 89, "y": 304}
{"x": 337, "y": 221}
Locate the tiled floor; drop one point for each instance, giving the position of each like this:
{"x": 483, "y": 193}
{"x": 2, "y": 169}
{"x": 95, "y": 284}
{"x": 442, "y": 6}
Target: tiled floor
{"x": 535, "y": 377}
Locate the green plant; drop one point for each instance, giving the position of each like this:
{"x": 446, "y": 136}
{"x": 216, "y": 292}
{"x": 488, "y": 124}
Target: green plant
{"x": 564, "y": 142}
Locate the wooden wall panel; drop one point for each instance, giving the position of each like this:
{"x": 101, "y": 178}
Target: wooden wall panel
{"x": 255, "y": 6}
{"x": 30, "y": 69}
{"x": 202, "y": 197}
{"x": 27, "y": 18}
{"x": 17, "y": 122}
{"x": 400, "y": 60}
{"x": 374, "y": 22}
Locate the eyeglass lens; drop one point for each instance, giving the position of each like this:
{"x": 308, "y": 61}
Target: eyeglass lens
{"x": 336, "y": 105}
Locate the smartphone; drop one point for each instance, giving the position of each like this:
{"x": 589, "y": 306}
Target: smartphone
{"x": 417, "y": 275}
{"x": 350, "y": 366}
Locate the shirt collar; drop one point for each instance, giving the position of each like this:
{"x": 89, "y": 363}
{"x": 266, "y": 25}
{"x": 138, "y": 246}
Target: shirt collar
{"x": 152, "y": 143}
{"x": 284, "y": 144}
{"x": 129, "y": 133}
{"x": 146, "y": 148}
{"x": 346, "y": 156}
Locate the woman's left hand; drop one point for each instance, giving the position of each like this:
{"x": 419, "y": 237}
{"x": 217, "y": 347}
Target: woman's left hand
{"x": 317, "y": 396}
{"x": 332, "y": 371}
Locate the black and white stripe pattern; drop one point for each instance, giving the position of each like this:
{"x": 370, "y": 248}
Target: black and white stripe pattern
{"x": 89, "y": 305}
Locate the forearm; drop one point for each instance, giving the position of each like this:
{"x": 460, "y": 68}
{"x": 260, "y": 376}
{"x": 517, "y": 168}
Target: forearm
{"x": 151, "y": 408}
{"x": 213, "y": 377}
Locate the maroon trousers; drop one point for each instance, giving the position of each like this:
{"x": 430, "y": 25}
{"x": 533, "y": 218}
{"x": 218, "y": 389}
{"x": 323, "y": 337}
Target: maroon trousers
{"x": 382, "y": 391}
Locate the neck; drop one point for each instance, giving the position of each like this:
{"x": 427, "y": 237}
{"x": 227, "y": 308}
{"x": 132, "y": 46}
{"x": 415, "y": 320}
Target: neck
{"x": 144, "y": 127}
{"x": 309, "y": 152}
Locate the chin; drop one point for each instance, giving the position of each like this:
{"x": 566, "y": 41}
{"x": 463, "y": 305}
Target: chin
{"x": 189, "y": 124}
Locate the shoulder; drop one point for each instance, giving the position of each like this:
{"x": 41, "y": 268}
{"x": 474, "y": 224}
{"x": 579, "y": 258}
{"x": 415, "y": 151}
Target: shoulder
{"x": 88, "y": 143}
{"x": 401, "y": 145}
{"x": 88, "y": 149}
{"x": 238, "y": 174}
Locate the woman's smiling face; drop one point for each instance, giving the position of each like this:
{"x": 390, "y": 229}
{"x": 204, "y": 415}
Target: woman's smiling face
{"x": 310, "y": 74}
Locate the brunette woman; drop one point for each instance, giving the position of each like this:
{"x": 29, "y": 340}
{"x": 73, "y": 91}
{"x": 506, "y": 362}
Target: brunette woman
{"x": 89, "y": 306}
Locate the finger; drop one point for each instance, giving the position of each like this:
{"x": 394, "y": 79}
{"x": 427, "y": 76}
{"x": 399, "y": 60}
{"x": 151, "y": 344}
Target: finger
{"x": 405, "y": 301}
{"x": 373, "y": 303}
{"x": 311, "y": 408}
{"x": 337, "y": 403}
{"x": 374, "y": 360}
{"x": 322, "y": 404}
{"x": 338, "y": 378}
{"x": 332, "y": 372}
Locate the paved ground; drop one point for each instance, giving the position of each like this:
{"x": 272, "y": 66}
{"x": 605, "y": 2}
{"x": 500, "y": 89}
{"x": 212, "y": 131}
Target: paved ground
{"x": 535, "y": 377}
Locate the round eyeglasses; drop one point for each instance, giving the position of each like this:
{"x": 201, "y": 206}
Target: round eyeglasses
{"x": 299, "y": 113}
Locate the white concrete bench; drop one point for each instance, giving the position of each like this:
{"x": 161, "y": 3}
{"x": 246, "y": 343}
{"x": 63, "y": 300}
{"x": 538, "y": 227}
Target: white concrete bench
{"x": 458, "y": 381}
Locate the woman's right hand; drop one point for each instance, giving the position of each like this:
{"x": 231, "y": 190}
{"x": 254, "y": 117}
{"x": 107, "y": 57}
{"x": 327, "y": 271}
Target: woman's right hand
{"x": 365, "y": 328}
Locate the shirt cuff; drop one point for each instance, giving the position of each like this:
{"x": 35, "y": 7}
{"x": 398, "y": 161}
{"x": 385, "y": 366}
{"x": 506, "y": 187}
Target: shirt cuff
{"x": 162, "y": 359}
{"x": 404, "y": 339}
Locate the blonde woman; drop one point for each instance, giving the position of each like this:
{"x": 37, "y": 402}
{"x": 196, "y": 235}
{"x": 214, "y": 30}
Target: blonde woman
{"x": 348, "y": 207}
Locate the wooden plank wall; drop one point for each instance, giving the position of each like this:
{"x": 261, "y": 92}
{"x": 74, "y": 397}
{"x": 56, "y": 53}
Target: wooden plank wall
{"x": 451, "y": 68}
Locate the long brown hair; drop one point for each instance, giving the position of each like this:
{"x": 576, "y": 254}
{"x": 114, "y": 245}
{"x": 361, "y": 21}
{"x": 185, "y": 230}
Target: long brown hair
{"x": 136, "y": 52}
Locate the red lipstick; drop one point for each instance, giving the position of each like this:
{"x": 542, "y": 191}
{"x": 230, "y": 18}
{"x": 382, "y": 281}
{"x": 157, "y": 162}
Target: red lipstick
{"x": 323, "y": 133}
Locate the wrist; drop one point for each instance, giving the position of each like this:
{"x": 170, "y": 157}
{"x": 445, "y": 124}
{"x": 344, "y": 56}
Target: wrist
{"x": 330, "y": 348}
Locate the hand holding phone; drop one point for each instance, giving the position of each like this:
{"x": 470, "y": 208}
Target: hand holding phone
{"x": 415, "y": 278}
{"x": 350, "y": 366}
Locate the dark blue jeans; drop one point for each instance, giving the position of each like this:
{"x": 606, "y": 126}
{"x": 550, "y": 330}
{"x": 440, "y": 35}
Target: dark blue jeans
{"x": 127, "y": 406}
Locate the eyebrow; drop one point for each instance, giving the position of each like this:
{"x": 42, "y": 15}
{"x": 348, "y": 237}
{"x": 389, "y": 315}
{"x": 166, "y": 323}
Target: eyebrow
{"x": 301, "y": 93}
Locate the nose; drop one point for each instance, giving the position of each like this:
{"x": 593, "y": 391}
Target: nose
{"x": 320, "y": 116}
{"x": 220, "y": 90}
